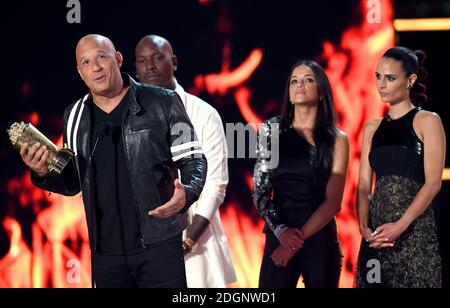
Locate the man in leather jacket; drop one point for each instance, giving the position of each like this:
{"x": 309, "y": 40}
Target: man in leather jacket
{"x": 130, "y": 140}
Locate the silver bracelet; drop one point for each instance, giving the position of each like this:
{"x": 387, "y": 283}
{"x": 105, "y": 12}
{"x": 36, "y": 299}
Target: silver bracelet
{"x": 279, "y": 230}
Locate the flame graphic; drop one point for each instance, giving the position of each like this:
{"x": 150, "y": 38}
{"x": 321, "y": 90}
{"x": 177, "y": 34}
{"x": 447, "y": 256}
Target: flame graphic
{"x": 59, "y": 235}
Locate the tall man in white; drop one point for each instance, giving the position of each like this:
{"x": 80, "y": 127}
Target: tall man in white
{"x": 207, "y": 257}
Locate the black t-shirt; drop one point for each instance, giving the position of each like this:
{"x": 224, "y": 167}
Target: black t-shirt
{"x": 118, "y": 231}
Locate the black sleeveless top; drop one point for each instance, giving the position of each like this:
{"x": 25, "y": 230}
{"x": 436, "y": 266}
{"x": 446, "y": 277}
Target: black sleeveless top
{"x": 297, "y": 193}
{"x": 396, "y": 149}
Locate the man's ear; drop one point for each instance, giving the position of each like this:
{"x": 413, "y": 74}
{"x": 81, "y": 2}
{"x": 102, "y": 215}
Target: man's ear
{"x": 175, "y": 63}
{"x": 79, "y": 72}
{"x": 119, "y": 59}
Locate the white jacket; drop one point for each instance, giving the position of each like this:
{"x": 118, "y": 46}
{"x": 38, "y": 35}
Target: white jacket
{"x": 209, "y": 265}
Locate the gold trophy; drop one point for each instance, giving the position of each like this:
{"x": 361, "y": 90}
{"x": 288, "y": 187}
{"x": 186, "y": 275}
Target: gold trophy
{"x": 21, "y": 133}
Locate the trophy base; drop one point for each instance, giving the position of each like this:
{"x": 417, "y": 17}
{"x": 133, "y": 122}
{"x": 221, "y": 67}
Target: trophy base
{"x": 62, "y": 158}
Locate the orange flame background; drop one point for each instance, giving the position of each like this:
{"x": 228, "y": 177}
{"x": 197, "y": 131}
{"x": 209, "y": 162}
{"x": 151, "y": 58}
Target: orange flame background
{"x": 59, "y": 233}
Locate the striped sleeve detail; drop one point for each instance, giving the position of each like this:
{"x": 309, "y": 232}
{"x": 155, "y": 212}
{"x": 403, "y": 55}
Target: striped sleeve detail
{"x": 185, "y": 150}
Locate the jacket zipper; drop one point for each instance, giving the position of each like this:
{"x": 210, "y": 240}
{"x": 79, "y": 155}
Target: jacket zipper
{"x": 142, "y": 239}
{"x": 136, "y": 203}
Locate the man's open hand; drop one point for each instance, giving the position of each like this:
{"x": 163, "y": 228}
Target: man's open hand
{"x": 174, "y": 205}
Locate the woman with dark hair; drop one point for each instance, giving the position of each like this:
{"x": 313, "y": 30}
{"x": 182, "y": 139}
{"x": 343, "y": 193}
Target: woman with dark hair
{"x": 299, "y": 197}
{"x": 406, "y": 151}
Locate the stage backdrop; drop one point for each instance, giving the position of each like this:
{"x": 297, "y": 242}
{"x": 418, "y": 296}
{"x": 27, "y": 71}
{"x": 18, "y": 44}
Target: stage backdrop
{"x": 234, "y": 54}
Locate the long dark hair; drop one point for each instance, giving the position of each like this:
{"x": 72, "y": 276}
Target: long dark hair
{"x": 412, "y": 63}
{"x": 325, "y": 128}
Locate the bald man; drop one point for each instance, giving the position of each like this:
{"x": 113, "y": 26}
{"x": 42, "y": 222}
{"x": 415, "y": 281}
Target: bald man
{"x": 131, "y": 142}
{"x": 207, "y": 257}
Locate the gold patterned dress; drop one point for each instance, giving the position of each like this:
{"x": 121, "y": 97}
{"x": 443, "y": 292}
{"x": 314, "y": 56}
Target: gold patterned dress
{"x": 397, "y": 158}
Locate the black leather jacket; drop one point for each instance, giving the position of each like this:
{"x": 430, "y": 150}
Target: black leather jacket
{"x": 155, "y": 150}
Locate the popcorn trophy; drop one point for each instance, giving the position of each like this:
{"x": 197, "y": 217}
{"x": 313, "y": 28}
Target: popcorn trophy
{"x": 21, "y": 133}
